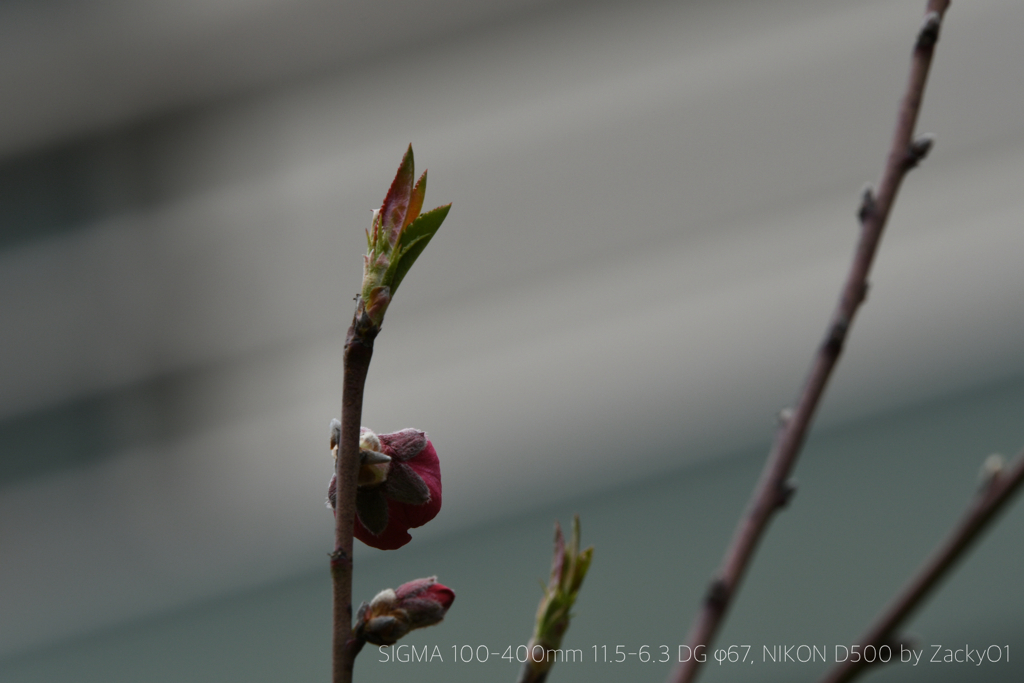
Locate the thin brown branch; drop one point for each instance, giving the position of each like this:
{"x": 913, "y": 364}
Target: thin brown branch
{"x": 358, "y": 352}
{"x": 532, "y": 674}
{"x": 773, "y": 490}
{"x": 991, "y": 499}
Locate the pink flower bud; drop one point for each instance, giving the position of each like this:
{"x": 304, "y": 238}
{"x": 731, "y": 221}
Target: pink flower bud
{"x": 393, "y": 613}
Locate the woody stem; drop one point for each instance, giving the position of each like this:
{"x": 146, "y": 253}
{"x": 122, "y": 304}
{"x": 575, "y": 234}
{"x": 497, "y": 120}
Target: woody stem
{"x": 358, "y": 352}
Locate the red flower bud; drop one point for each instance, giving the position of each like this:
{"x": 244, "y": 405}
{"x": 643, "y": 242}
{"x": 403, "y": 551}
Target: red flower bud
{"x": 399, "y": 487}
{"x": 411, "y": 493}
{"x": 393, "y": 613}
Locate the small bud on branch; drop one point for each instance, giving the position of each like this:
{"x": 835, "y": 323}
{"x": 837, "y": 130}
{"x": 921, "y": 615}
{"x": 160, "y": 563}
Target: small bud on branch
{"x": 398, "y": 234}
{"x": 393, "y": 613}
{"x": 568, "y": 569}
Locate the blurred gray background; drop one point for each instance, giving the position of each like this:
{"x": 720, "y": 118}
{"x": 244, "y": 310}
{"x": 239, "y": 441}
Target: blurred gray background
{"x": 653, "y": 210}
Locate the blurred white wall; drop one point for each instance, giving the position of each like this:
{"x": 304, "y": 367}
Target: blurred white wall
{"x": 653, "y": 210}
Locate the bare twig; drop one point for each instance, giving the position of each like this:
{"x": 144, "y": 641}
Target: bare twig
{"x": 991, "y": 499}
{"x": 773, "y": 490}
{"x": 358, "y": 351}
